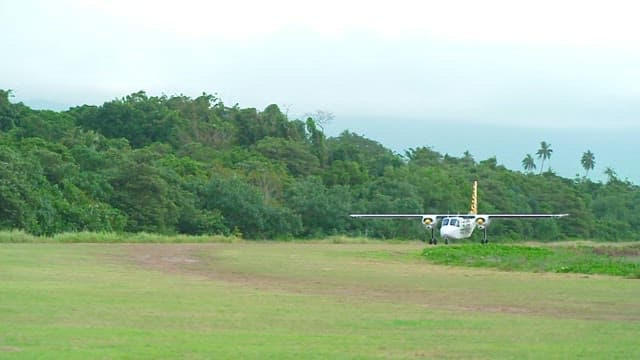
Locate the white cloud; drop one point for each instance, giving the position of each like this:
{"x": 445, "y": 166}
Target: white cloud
{"x": 592, "y": 23}
{"x": 543, "y": 63}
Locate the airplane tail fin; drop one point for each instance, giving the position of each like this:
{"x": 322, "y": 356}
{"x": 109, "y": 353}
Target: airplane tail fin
{"x": 474, "y": 199}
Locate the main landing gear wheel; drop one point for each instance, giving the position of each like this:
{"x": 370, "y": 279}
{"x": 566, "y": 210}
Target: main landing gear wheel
{"x": 446, "y": 241}
{"x": 433, "y": 240}
{"x": 484, "y": 238}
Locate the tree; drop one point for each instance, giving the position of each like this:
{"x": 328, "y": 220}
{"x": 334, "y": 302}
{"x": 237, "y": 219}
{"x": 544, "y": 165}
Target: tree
{"x": 588, "y": 162}
{"x": 372, "y": 156}
{"x": 321, "y": 209}
{"x": 544, "y": 153}
{"x": 137, "y": 117}
{"x": 242, "y": 207}
{"x": 528, "y": 163}
{"x": 203, "y": 123}
{"x": 320, "y": 117}
{"x": 423, "y": 156}
{"x": 611, "y": 174}
{"x": 296, "y": 156}
{"x": 8, "y": 114}
{"x": 345, "y": 173}
{"x": 317, "y": 141}
{"x": 467, "y": 159}
{"x": 142, "y": 194}
{"x": 268, "y": 177}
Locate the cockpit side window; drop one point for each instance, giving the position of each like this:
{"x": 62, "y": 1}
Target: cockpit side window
{"x": 445, "y": 221}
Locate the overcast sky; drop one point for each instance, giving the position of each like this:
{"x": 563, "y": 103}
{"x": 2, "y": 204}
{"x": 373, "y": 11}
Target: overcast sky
{"x": 492, "y": 77}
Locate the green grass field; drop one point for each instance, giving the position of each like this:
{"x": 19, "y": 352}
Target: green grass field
{"x": 299, "y": 300}
{"x": 586, "y": 258}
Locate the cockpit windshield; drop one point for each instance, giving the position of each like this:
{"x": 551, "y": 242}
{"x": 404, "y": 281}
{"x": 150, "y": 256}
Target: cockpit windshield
{"x": 451, "y": 222}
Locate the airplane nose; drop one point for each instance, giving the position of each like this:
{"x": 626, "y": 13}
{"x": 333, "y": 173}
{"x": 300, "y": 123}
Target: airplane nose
{"x": 446, "y": 232}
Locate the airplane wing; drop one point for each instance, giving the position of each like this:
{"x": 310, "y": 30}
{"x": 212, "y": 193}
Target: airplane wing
{"x": 522, "y": 216}
{"x": 389, "y": 216}
{"x": 426, "y": 219}
{"x": 440, "y": 216}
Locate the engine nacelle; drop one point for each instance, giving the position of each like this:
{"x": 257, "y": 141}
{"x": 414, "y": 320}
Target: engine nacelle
{"x": 428, "y": 222}
{"x": 481, "y": 223}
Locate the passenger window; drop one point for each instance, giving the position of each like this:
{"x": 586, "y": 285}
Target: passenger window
{"x": 454, "y": 222}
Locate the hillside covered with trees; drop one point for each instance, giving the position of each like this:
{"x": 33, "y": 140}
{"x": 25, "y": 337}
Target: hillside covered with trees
{"x": 174, "y": 164}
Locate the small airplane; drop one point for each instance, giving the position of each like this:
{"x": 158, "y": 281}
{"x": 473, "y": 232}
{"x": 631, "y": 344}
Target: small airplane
{"x": 457, "y": 226}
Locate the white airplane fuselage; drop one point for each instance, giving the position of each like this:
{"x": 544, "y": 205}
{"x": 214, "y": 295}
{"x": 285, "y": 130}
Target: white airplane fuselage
{"x": 457, "y": 227}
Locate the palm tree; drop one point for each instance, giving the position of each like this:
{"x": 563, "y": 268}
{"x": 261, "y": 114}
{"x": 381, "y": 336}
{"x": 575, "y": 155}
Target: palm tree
{"x": 528, "y": 163}
{"x": 544, "y": 153}
{"x": 588, "y": 162}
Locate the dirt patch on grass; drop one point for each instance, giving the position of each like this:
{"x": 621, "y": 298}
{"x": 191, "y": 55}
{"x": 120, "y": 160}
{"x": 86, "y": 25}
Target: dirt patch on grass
{"x": 173, "y": 258}
{"x": 618, "y": 251}
{"x": 188, "y": 260}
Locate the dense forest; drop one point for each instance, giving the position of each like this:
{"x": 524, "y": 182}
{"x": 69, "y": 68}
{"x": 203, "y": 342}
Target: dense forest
{"x": 175, "y": 164}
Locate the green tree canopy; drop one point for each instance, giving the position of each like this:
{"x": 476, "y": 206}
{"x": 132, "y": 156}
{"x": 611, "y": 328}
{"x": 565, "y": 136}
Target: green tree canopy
{"x": 588, "y": 162}
{"x": 175, "y": 164}
{"x": 528, "y": 163}
{"x": 544, "y": 153}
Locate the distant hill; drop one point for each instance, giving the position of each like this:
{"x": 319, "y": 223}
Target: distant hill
{"x": 613, "y": 146}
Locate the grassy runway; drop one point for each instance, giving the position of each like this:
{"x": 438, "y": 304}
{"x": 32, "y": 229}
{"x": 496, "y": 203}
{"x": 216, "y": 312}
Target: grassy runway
{"x": 292, "y": 300}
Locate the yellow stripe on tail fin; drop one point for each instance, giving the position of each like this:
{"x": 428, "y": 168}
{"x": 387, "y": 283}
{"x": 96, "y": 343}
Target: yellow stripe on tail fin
{"x": 474, "y": 199}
